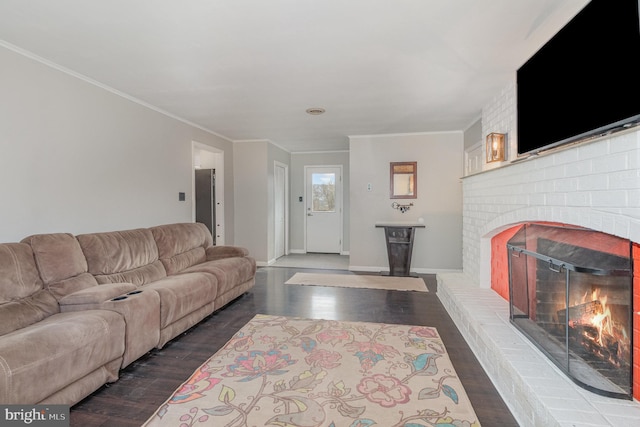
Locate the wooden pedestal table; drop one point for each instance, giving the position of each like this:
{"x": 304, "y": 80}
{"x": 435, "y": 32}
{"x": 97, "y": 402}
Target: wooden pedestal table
{"x": 399, "y": 239}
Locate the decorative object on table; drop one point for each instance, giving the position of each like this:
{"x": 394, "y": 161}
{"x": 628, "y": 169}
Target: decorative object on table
{"x": 366, "y": 281}
{"x": 293, "y": 372}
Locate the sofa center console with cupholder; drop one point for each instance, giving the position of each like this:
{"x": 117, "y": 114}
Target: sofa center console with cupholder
{"x": 141, "y": 312}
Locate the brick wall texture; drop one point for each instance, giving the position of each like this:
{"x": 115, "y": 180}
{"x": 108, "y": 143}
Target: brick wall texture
{"x": 594, "y": 184}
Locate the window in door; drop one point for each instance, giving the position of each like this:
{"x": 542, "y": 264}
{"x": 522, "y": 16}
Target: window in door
{"x": 323, "y": 186}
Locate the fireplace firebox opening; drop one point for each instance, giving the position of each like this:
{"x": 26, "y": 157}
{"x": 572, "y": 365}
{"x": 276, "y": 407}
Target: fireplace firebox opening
{"x": 571, "y": 294}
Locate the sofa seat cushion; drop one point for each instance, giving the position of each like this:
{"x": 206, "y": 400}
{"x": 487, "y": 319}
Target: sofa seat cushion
{"x": 43, "y": 358}
{"x": 181, "y": 245}
{"x": 20, "y": 313}
{"x": 180, "y": 262}
{"x": 19, "y": 276}
{"x": 175, "y": 239}
{"x": 138, "y": 276}
{"x": 122, "y": 256}
{"x": 61, "y": 263}
{"x": 23, "y": 300}
{"x": 58, "y": 256}
{"x": 229, "y": 272}
{"x": 183, "y": 294}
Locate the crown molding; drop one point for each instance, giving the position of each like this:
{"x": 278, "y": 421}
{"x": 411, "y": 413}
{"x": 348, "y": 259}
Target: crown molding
{"x": 103, "y": 86}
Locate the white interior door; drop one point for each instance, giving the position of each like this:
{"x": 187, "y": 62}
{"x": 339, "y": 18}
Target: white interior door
{"x": 280, "y": 209}
{"x": 323, "y": 209}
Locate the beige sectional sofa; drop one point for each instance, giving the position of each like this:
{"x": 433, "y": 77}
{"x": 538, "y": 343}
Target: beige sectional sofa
{"x": 74, "y": 310}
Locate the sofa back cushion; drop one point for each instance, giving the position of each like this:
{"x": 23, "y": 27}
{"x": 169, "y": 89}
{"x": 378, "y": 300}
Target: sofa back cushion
{"x": 122, "y": 256}
{"x": 61, "y": 263}
{"x": 181, "y": 245}
{"x": 23, "y": 300}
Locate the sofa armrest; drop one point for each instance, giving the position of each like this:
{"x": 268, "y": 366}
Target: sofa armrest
{"x": 221, "y": 252}
{"x": 97, "y": 294}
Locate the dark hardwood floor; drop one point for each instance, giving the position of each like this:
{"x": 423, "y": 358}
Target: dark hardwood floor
{"x": 145, "y": 384}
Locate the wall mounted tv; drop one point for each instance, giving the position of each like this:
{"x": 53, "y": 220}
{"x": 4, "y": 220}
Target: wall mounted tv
{"x": 585, "y": 81}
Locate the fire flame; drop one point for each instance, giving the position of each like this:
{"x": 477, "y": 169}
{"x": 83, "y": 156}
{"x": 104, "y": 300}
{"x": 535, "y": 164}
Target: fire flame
{"x": 601, "y": 320}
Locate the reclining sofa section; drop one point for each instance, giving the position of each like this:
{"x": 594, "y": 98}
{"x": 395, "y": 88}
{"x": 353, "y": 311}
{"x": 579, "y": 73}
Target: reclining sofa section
{"x": 74, "y": 310}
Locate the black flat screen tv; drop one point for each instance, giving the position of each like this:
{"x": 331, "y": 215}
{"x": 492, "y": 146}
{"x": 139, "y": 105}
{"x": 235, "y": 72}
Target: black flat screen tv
{"x": 585, "y": 81}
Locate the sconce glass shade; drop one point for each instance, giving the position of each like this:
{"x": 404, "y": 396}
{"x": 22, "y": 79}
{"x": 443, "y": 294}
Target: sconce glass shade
{"x": 496, "y": 147}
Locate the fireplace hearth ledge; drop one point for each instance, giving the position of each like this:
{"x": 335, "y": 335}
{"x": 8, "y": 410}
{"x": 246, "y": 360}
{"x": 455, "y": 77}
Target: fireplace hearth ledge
{"x": 534, "y": 389}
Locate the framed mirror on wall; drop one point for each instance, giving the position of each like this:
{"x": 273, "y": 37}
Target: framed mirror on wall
{"x": 404, "y": 180}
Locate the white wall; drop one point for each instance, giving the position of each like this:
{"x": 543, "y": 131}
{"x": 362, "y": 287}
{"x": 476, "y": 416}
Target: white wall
{"x": 254, "y": 202}
{"x": 473, "y": 134}
{"x": 77, "y": 158}
{"x": 439, "y": 202}
{"x": 251, "y": 202}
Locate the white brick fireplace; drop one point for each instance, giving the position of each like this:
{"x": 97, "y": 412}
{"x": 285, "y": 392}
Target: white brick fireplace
{"x": 595, "y": 185}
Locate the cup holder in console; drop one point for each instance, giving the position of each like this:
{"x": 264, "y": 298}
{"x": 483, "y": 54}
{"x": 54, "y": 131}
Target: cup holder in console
{"x": 121, "y": 297}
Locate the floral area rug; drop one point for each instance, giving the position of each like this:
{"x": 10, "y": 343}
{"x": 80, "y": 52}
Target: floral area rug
{"x": 290, "y": 372}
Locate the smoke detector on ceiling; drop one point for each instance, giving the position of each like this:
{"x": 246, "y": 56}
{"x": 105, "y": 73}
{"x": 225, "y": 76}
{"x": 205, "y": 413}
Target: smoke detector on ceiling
{"x": 315, "y": 111}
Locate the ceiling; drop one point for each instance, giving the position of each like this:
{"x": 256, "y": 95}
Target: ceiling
{"x": 248, "y": 69}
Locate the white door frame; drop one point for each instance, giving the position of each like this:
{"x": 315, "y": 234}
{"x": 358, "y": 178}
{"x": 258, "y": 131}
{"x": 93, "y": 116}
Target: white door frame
{"x": 339, "y": 182}
{"x": 284, "y": 166}
{"x": 219, "y": 188}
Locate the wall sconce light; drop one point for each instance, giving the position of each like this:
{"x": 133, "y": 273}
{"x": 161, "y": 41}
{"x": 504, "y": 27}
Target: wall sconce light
{"x": 496, "y": 147}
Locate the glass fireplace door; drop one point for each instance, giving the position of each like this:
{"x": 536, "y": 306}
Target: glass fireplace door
{"x": 575, "y": 303}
